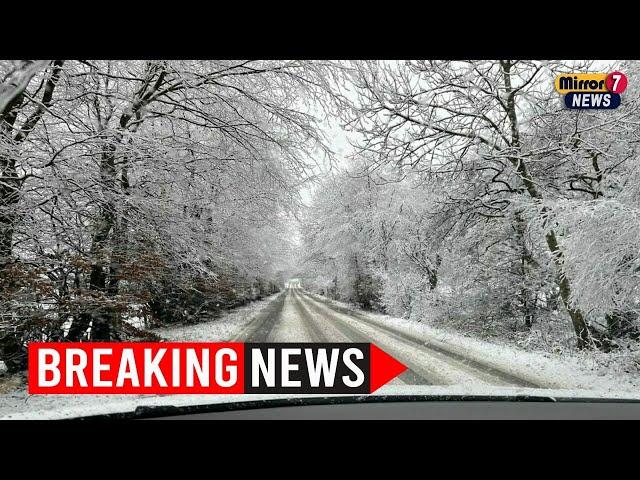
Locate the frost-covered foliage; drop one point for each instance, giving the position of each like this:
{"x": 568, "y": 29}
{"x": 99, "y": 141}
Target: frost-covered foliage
{"x": 489, "y": 207}
{"x": 163, "y": 183}
{"x": 335, "y": 245}
{"x": 425, "y": 266}
{"x": 602, "y": 248}
{"x": 472, "y": 198}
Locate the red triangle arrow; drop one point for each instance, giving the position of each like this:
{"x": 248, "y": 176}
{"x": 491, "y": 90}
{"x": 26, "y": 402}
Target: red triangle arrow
{"x": 384, "y": 368}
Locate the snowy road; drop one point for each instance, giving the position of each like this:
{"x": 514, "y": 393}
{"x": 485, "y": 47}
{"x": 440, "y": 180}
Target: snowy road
{"x": 297, "y": 316}
{"x": 440, "y": 362}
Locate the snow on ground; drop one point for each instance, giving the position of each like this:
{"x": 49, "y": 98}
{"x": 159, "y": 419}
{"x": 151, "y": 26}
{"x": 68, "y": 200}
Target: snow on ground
{"x": 578, "y": 371}
{"x": 572, "y": 376}
{"x": 429, "y": 364}
{"x": 15, "y": 402}
{"x": 227, "y": 326}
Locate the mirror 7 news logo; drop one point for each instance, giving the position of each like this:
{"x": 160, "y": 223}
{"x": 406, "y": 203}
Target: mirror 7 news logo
{"x": 591, "y": 91}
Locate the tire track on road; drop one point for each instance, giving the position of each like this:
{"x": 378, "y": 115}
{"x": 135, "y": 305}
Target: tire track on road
{"x": 485, "y": 371}
{"x": 260, "y": 327}
{"x": 330, "y": 332}
{"x": 291, "y": 326}
{"x": 313, "y": 330}
{"x": 416, "y": 375}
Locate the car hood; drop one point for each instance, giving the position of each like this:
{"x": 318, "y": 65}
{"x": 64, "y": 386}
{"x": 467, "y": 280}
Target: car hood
{"x": 133, "y": 406}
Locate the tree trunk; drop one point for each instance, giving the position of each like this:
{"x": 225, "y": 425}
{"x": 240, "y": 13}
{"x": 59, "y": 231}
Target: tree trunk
{"x": 104, "y": 319}
{"x": 11, "y": 183}
{"x": 433, "y": 273}
{"x": 9, "y": 193}
{"x": 101, "y": 318}
{"x": 8, "y": 200}
{"x": 527, "y": 303}
{"x": 582, "y": 330}
{"x": 528, "y": 308}
{"x": 11, "y": 343}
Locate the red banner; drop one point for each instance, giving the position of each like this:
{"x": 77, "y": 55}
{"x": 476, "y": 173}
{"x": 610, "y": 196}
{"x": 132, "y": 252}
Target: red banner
{"x": 208, "y": 368}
